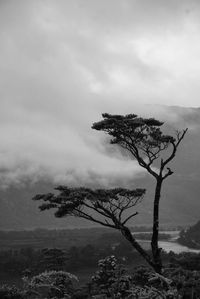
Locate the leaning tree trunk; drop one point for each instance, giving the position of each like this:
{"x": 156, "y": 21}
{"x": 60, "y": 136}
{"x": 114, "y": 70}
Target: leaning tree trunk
{"x": 128, "y": 235}
{"x": 156, "y": 251}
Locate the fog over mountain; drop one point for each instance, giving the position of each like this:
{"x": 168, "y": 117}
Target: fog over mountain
{"x": 63, "y": 63}
{"x": 180, "y": 202}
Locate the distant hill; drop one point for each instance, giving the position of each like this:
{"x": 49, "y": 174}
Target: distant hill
{"x": 180, "y": 204}
{"x": 191, "y": 236}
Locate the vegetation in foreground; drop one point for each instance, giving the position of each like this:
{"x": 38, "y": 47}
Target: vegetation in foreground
{"x": 58, "y": 273}
{"x": 111, "y": 280}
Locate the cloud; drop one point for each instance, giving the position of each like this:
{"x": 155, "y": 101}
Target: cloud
{"x": 64, "y": 63}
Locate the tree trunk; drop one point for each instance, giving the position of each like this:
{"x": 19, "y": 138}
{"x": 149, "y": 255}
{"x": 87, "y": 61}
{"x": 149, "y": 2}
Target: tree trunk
{"x": 156, "y": 251}
{"x": 127, "y": 234}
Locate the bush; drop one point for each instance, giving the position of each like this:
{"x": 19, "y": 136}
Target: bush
{"x": 51, "y": 284}
{"x": 10, "y": 292}
{"x": 186, "y": 282}
{"x": 111, "y": 279}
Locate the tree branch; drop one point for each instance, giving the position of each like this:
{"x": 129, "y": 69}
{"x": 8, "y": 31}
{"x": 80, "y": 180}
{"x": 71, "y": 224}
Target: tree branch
{"x": 128, "y": 218}
{"x": 90, "y": 218}
{"x": 169, "y": 172}
{"x": 175, "y": 146}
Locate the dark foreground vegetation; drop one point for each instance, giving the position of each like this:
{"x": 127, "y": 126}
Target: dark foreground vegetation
{"x": 112, "y": 280}
{"x": 73, "y": 273}
{"x": 76, "y": 249}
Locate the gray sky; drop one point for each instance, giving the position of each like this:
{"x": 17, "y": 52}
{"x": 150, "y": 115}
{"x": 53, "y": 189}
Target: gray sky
{"x": 63, "y": 63}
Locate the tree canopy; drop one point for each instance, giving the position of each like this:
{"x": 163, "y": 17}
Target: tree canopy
{"x": 113, "y": 205}
{"x": 142, "y": 137}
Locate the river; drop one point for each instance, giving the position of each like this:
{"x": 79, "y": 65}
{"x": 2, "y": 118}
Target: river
{"x": 171, "y": 244}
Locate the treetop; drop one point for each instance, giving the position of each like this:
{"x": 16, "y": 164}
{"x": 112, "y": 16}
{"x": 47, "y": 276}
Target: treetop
{"x": 70, "y": 200}
{"x": 134, "y": 129}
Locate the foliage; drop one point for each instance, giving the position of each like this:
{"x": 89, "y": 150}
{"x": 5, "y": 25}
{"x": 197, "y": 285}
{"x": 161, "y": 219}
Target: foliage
{"x": 186, "y": 282}
{"x": 10, "y": 292}
{"x": 141, "y": 275}
{"x": 54, "y": 284}
{"x": 86, "y": 257}
{"x": 84, "y": 202}
{"x": 111, "y": 279}
{"x": 175, "y": 283}
{"x": 152, "y": 293}
{"x": 142, "y": 137}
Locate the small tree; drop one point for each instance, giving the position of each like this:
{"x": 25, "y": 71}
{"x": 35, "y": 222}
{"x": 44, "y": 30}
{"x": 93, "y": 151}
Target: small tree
{"x": 144, "y": 140}
{"x": 111, "y": 208}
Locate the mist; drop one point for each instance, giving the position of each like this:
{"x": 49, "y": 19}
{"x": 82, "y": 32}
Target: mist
{"x": 63, "y": 63}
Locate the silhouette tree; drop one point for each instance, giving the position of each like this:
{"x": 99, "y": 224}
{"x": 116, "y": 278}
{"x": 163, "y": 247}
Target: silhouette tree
{"x": 113, "y": 208}
{"x": 144, "y": 140}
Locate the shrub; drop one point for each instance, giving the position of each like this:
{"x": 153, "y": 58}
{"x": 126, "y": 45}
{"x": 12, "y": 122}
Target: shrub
{"x": 10, "y": 292}
{"x": 111, "y": 279}
{"x": 52, "y": 284}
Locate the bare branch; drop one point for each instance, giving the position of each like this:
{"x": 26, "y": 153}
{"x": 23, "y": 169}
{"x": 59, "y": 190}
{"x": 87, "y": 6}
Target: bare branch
{"x": 169, "y": 172}
{"x": 90, "y": 218}
{"x": 128, "y": 218}
{"x": 175, "y": 145}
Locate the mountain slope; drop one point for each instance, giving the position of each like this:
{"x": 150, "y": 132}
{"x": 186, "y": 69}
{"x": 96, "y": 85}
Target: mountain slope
{"x": 191, "y": 236}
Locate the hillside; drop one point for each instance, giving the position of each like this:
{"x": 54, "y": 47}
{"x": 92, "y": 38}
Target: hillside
{"x": 191, "y": 236}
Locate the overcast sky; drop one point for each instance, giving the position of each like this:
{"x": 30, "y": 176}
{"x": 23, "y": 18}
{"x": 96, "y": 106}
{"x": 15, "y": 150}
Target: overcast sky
{"x": 63, "y": 63}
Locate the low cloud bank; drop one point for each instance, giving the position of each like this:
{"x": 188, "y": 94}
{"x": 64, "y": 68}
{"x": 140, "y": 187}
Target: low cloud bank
{"x": 64, "y": 63}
